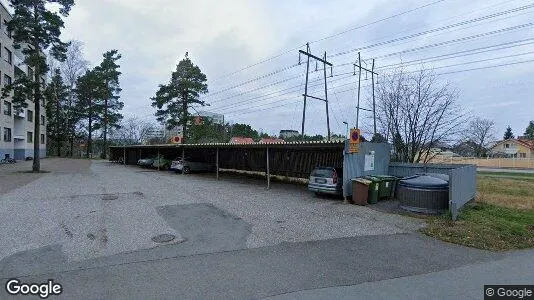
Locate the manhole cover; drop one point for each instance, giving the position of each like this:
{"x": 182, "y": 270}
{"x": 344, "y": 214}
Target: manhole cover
{"x": 109, "y": 197}
{"x": 163, "y": 238}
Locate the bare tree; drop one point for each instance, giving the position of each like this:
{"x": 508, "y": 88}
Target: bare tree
{"x": 133, "y": 131}
{"x": 479, "y": 133}
{"x": 72, "y": 68}
{"x": 416, "y": 112}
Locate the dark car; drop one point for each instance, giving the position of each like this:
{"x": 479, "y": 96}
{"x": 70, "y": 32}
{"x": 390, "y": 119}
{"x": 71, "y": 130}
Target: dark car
{"x": 326, "y": 180}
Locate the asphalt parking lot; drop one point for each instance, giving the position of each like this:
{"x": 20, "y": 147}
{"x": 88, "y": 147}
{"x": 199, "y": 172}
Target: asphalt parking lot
{"x": 70, "y": 199}
{"x": 93, "y": 222}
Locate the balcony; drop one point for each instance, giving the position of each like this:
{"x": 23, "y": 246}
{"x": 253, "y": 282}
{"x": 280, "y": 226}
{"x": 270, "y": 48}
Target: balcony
{"x": 19, "y": 137}
{"x": 20, "y": 65}
{"x": 19, "y": 113}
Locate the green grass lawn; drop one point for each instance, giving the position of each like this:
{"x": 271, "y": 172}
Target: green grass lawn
{"x": 500, "y": 218}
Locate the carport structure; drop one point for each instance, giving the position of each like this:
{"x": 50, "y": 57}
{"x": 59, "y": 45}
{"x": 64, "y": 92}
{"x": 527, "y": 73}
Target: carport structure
{"x": 295, "y": 159}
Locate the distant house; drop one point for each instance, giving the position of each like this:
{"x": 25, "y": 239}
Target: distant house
{"x": 287, "y": 133}
{"x": 241, "y": 140}
{"x": 271, "y": 140}
{"x": 518, "y": 148}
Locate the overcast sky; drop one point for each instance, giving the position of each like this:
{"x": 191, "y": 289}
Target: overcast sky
{"x": 224, "y": 36}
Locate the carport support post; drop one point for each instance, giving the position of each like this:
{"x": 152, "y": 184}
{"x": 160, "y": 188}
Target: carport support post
{"x": 124, "y": 155}
{"x": 217, "y": 162}
{"x": 268, "y": 171}
{"x": 183, "y": 160}
{"x": 158, "y": 159}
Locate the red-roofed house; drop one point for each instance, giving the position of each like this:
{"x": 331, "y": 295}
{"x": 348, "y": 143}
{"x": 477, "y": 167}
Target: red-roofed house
{"x": 241, "y": 140}
{"x": 271, "y": 140}
{"x": 519, "y": 148}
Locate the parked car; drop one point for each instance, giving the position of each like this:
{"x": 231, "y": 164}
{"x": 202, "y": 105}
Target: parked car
{"x": 162, "y": 163}
{"x": 326, "y": 180}
{"x": 190, "y": 166}
{"x": 146, "y": 162}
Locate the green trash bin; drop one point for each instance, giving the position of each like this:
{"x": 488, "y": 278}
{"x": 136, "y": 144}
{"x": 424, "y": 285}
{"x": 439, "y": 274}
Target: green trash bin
{"x": 374, "y": 189}
{"x": 387, "y": 186}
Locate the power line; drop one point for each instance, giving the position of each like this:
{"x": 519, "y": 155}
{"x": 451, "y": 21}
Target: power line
{"x": 464, "y": 53}
{"x": 459, "y": 40}
{"x": 377, "y": 21}
{"x": 434, "y": 30}
{"x": 275, "y": 94}
{"x": 488, "y": 67}
{"x": 254, "y": 79}
{"x": 389, "y": 42}
{"x": 324, "y": 38}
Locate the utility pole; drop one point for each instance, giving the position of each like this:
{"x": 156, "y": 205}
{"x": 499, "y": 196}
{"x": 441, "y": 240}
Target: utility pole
{"x": 372, "y": 71}
{"x": 326, "y": 97}
{"x": 373, "y": 84}
{"x": 325, "y": 63}
{"x": 359, "y": 84}
{"x": 305, "y": 90}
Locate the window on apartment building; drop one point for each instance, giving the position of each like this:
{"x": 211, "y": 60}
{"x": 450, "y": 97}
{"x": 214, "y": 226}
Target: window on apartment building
{"x": 30, "y": 115}
{"x": 42, "y": 138}
{"x": 42, "y": 120}
{"x": 506, "y": 146}
{"x": 29, "y": 137}
{"x": 7, "y": 108}
{"x": 7, "y": 134}
{"x": 7, "y": 79}
{"x": 9, "y": 56}
{"x": 522, "y": 155}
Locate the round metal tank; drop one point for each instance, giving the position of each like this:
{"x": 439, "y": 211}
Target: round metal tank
{"x": 424, "y": 194}
{"x": 437, "y": 175}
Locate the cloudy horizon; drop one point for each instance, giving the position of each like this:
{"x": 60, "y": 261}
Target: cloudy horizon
{"x": 494, "y": 82}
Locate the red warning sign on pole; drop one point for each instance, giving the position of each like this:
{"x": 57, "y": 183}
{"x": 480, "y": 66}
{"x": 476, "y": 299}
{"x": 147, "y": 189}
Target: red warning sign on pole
{"x": 354, "y": 141}
{"x": 176, "y": 139}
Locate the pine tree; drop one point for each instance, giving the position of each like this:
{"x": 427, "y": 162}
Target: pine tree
{"x": 529, "y": 132}
{"x": 56, "y": 95}
{"x": 36, "y": 29}
{"x": 508, "y": 133}
{"x": 89, "y": 89}
{"x": 108, "y": 73}
{"x": 182, "y": 92}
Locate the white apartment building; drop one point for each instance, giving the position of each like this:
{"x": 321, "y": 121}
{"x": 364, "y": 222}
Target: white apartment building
{"x": 16, "y": 127}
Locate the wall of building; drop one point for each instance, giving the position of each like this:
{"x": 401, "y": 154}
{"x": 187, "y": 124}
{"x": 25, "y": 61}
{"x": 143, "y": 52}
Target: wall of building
{"x": 515, "y": 147}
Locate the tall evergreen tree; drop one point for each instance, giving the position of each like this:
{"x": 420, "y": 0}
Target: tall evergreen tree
{"x": 508, "y": 134}
{"x": 182, "y": 92}
{"x": 56, "y": 95}
{"x": 108, "y": 73}
{"x": 36, "y": 27}
{"x": 89, "y": 89}
{"x": 529, "y": 132}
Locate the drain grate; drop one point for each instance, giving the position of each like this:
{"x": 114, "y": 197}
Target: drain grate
{"x": 163, "y": 238}
{"x": 110, "y": 197}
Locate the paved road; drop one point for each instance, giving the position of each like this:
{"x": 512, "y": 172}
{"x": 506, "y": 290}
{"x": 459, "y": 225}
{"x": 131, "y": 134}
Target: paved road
{"x": 234, "y": 238}
{"x": 465, "y": 282}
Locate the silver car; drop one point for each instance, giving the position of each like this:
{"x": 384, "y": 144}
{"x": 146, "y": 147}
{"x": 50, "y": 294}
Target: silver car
{"x": 191, "y": 166}
{"x": 326, "y": 180}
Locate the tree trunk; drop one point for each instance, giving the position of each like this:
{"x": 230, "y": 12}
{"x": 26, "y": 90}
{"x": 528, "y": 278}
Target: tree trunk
{"x": 36, "y": 167}
{"x": 184, "y": 121}
{"x": 90, "y": 138}
{"x": 72, "y": 142}
{"x": 58, "y": 136}
{"x": 103, "y": 154}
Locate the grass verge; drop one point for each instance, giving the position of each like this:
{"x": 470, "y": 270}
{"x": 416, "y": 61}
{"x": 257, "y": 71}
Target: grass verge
{"x": 486, "y": 226}
{"x": 501, "y": 218}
